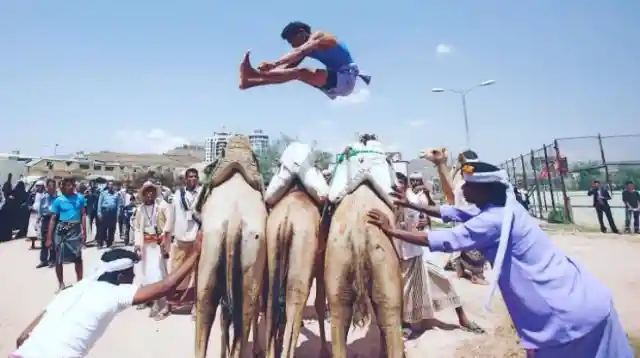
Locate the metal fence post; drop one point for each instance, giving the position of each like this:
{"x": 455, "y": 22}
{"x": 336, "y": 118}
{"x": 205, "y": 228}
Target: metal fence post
{"x": 567, "y": 203}
{"x": 524, "y": 179}
{"x": 546, "y": 163}
{"x": 607, "y": 177}
{"x": 515, "y": 176}
{"x": 537, "y": 186}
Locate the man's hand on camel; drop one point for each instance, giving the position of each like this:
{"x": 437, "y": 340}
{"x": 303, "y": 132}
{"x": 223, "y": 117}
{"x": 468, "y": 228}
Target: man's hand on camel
{"x": 399, "y": 197}
{"x": 379, "y": 219}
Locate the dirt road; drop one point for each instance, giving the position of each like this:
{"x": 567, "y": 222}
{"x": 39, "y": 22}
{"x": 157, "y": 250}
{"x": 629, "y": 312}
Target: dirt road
{"x": 26, "y": 290}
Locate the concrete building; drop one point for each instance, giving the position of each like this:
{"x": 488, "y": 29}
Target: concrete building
{"x": 121, "y": 166}
{"x": 15, "y": 164}
{"x": 259, "y": 141}
{"x": 214, "y": 145}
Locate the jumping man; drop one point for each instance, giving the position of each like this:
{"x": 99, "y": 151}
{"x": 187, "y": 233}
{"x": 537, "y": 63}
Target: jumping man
{"x": 337, "y": 80}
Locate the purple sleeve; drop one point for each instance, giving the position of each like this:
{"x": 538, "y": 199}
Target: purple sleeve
{"x": 450, "y": 213}
{"x": 479, "y": 232}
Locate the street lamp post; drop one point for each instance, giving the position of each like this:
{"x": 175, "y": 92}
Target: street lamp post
{"x": 463, "y": 96}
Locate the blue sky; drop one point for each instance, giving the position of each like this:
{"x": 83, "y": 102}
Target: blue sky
{"x": 143, "y": 75}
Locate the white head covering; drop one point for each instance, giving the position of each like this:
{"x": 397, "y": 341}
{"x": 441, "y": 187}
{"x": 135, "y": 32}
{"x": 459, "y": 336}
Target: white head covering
{"x": 40, "y": 182}
{"x": 103, "y": 267}
{"x": 416, "y": 175}
{"x": 480, "y": 172}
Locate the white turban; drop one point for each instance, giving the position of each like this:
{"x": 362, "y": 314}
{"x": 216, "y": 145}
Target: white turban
{"x": 415, "y": 175}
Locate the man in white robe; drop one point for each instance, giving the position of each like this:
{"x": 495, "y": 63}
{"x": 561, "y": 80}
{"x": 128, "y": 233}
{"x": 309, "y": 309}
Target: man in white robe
{"x": 33, "y": 230}
{"x": 150, "y": 230}
{"x": 426, "y": 288}
{"x": 185, "y": 229}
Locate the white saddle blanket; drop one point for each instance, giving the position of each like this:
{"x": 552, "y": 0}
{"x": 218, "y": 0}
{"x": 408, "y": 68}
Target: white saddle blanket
{"x": 367, "y": 163}
{"x": 297, "y": 161}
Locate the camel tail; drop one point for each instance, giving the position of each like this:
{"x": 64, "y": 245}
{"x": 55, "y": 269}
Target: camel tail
{"x": 234, "y": 272}
{"x": 361, "y": 312}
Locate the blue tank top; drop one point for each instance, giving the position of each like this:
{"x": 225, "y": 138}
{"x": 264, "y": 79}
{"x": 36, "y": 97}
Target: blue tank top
{"x": 333, "y": 58}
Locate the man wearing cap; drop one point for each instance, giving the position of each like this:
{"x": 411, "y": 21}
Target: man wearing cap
{"x": 150, "y": 232}
{"x": 77, "y": 317}
{"x": 558, "y": 308}
{"x": 185, "y": 229}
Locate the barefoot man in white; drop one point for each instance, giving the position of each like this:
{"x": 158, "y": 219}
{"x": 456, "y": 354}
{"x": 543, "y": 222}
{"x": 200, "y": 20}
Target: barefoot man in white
{"x": 185, "y": 229}
{"x": 78, "y": 316}
{"x": 150, "y": 232}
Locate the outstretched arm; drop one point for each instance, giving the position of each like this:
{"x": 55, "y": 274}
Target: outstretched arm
{"x": 160, "y": 289}
{"x": 27, "y": 331}
{"x": 318, "y": 39}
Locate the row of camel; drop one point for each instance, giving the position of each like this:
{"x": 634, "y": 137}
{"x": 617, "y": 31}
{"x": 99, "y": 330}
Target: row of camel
{"x": 256, "y": 259}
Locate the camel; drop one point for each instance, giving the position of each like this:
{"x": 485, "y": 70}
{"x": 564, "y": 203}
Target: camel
{"x": 361, "y": 263}
{"x": 295, "y": 253}
{"x": 231, "y": 266}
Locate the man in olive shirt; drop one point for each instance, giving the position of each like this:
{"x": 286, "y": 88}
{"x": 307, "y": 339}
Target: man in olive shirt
{"x": 631, "y": 199}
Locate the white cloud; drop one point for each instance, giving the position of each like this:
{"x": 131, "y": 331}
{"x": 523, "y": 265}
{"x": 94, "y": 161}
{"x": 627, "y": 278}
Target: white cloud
{"x": 359, "y": 96}
{"x": 152, "y": 141}
{"x": 443, "y": 49}
{"x": 416, "y": 123}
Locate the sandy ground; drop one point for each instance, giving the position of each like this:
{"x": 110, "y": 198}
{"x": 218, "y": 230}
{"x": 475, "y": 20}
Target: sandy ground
{"x": 614, "y": 259}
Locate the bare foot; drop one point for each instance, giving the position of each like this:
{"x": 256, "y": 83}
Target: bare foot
{"x": 61, "y": 287}
{"x": 246, "y": 71}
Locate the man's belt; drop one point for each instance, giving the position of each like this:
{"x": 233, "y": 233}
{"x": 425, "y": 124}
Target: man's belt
{"x": 152, "y": 239}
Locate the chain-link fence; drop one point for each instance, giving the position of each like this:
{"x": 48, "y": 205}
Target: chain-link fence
{"x": 555, "y": 179}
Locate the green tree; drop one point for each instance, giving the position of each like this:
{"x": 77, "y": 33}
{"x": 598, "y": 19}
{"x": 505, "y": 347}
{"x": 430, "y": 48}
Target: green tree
{"x": 625, "y": 174}
{"x": 587, "y": 173}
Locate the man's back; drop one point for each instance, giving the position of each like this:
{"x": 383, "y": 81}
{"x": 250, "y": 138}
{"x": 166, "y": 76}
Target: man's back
{"x": 76, "y": 319}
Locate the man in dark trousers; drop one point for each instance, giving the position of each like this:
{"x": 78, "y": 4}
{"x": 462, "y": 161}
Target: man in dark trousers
{"x": 92, "y": 210}
{"x": 601, "y": 197}
{"x": 108, "y": 208}
{"x": 631, "y": 199}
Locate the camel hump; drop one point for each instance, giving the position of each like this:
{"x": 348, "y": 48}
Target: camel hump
{"x": 238, "y": 156}
{"x": 297, "y": 162}
{"x": 364, "y": 163}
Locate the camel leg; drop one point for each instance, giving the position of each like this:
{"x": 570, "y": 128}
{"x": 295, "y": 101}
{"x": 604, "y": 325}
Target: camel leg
{"x": 225, "y": 325}
{"x": 271, "y": 310}
{"x": 207, "y": 299}
{"x": 299, "y": 278}
{"x": 253, "y": 268}
{"x": 341, "y": 296}
{"x": 320, "y": 303}
{"x": 386, "y": 299}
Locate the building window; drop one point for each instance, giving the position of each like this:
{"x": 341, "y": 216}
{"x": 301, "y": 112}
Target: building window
{"x": 109, "y": 169}
{"x": 97, "y": 167}
{"x": 85, "y": 166}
